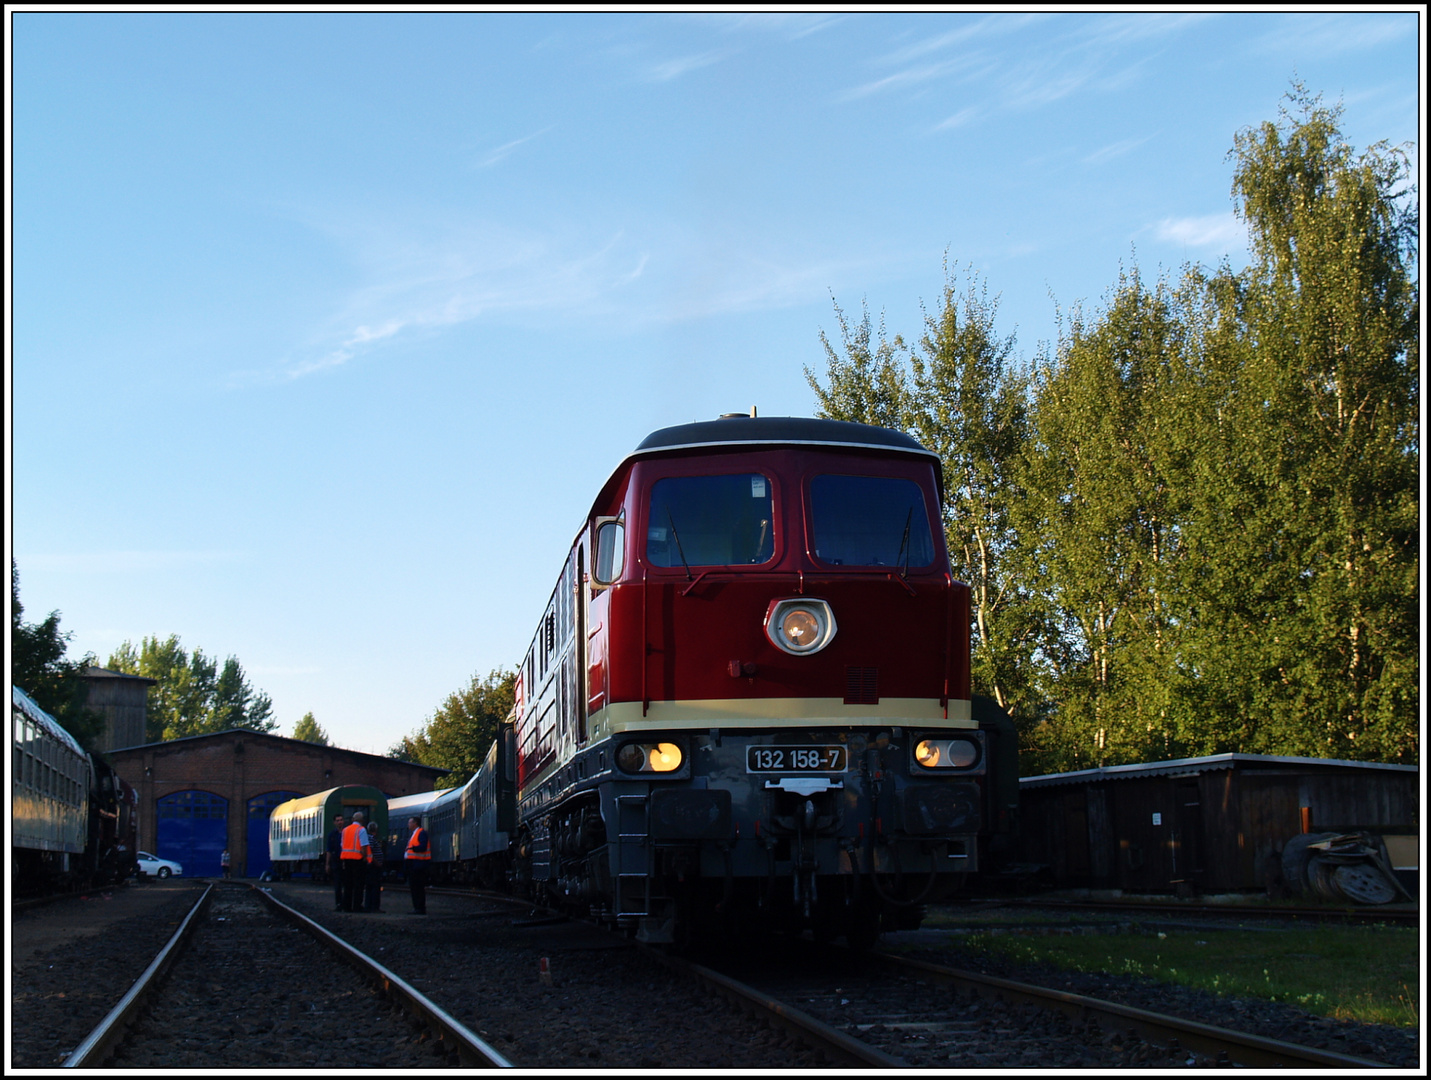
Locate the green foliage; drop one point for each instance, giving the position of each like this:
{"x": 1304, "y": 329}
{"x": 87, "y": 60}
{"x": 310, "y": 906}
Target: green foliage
{"x": 868, "y": 385}
{"x": 192, "y": 695}
{"x": 39, "y": 667}
{"x": 1365, "y": 974}
{"x": 461, "y": 729}
{"x": 1193, "y": 527}
{"x": 309, "y": 730}
{"x": 1101, "y": 512}
{"x": 1330, "y": 403}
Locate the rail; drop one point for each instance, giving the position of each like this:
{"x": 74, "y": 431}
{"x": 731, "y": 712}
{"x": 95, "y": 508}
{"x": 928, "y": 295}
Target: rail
{"x": 1222, "y": 1044}
{"x": 844, "y": 1050}
{"x": 469, "y": 1047}
{"x": 100, "y": 1043}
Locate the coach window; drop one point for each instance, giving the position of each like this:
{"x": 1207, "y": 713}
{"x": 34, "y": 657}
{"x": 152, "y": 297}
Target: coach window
{"x": 711, "y": 521}
{"x": 869, "y": 521}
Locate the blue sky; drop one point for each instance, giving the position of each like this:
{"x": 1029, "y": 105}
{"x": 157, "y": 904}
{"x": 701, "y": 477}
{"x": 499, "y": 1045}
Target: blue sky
{"x": 325, "y": 329}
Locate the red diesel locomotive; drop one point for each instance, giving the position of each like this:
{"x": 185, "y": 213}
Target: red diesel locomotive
{"x": 748, "y": 699}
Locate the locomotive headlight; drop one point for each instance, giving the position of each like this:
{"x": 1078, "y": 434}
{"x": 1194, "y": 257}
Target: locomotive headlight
{"x": 800, "y": 627}
{"x": 946, "y": 753}
{"x": 636, "y": 757}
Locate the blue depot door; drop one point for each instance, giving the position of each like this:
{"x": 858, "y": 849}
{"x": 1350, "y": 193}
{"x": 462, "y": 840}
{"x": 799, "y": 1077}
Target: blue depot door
{"x": 193, "y": 829}
{"x": 259, "y": 809}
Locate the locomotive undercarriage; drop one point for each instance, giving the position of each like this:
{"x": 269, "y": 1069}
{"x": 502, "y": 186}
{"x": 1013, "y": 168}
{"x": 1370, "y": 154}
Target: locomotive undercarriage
{"x": 723, "y": 853}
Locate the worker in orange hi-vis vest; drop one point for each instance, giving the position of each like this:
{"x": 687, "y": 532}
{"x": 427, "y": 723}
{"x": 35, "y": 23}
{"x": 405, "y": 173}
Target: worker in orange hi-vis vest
{"x": 353, "y": 862}
{"x": 415, "y": 860}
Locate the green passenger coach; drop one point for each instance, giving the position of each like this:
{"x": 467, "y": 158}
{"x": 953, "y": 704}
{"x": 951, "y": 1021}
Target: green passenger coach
{"x": 298, "y": 829}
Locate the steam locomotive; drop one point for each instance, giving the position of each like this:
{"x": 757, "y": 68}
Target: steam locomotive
{"x": 748, "y": 699}
{"x": 74, "y": 821}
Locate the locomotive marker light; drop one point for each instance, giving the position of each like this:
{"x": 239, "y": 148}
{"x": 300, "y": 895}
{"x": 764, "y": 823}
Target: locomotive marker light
{"x": 800, "y": 627}
{"x": 946, "y": 753}
{"x": 649, "y": 757}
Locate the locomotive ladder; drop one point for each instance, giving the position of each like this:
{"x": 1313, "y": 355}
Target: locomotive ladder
{"x": 633, "y": 854}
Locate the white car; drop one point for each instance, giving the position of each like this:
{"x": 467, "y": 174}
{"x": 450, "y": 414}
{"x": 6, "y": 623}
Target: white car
{"x": 153, "y": 866}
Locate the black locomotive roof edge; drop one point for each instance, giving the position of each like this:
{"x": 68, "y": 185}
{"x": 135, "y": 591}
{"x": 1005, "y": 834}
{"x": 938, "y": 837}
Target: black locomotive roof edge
{"x": 778, "y": 430}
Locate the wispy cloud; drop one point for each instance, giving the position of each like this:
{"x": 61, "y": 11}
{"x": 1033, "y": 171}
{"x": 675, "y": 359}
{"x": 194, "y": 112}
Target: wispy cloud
{"x": 423, "y": 278}
{"x": 911, "y": 76}
{"x": 1070, "y": 57}
{"x": 1118, "y": 30}
{"x": 989, "y": 26}
{"x": 672, "y": 69}
{"x": 736, "y": 282}
{"x": 494, "y": 156}
{"x": 959, "y": 119}
{"x": 1114, "y": 150}
{"x": 1309, "y": 34}
{"x": 1211, "y": 230}
{"x": 791, "y": 25}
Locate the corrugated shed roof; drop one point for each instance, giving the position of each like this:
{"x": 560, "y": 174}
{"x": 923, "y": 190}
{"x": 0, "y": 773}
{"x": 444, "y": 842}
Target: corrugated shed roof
{"x": 92, "y": 672}
{"x": 26, "y": 705}
{"x": 1196, "y": 765}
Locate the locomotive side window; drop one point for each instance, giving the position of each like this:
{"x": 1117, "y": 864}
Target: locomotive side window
{"x": 610, "y": 552}
{"x": 711, "y": 521}
{"x": 869, "y": 521}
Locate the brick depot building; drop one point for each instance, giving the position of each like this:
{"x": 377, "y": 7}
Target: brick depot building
{"x": 207, "y": 792}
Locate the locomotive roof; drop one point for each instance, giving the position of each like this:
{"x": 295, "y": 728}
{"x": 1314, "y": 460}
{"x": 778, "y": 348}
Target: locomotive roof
{"x": 778, "y": 430}
{"x": 26, "y": 704}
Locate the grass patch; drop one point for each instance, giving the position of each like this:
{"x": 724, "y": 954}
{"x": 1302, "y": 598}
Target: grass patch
{"x": 1369, "y": 974}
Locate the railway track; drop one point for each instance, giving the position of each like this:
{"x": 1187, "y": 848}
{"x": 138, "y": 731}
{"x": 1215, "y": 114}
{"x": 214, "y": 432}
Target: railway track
{"x": 1399, "y": 915}
{"x": 245, "y": 981}
{"x": 554, "y": 993}
{"x": 917, "y": 1014}
{"x": 986, "y": 1021}
{"x": 796, "y": 1004}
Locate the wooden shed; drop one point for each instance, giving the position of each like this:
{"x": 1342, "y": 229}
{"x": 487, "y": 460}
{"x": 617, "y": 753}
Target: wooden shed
{"x": 1209, "y": 824}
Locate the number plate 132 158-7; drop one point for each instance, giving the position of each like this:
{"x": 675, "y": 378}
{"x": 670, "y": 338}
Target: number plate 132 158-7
{"x": 794, "y": 759}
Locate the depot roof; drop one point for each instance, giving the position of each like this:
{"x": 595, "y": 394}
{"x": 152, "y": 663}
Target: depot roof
{"x": 1198, "y": 764}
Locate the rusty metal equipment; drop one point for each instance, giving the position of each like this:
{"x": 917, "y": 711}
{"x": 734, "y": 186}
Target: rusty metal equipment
{"x": 1341, "y": 867}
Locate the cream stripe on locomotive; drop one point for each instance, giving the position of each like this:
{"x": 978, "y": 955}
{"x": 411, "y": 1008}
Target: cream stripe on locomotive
{"x": 791, "y": 711}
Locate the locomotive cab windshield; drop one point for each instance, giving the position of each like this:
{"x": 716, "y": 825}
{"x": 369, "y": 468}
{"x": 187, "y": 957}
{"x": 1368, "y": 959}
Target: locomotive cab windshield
{"x": 711, "y": 521}
{"x": 869, "y": 521}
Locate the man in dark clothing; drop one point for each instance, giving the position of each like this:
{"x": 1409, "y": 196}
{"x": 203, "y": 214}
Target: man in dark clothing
{"x": 415, "y": 859}
{"x": 335, "y": 848}
{"x": 375, "y": 872}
